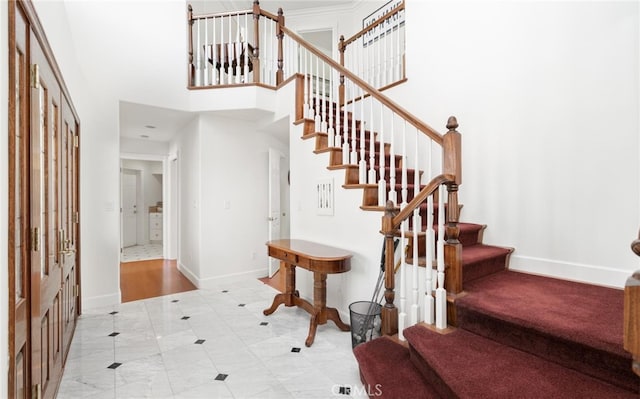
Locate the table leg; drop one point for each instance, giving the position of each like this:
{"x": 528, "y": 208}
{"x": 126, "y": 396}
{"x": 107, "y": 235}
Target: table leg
{"x": 290, "y": 292}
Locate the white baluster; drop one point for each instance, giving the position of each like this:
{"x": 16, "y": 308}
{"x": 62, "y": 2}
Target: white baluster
{"x": 316, "y": 105}
{"x": 331, "y": 131}
{"x": 402, "y": 315}
{"x": 198, "y": 81}
{"x": 382, "y": 184}
{"x": 205, "y": 52}
{"x": 399, "y": 64}
{"x": 372, "y": 144}
{"x": 417, "y": 229}
{"x": 393, "y": 195}
{"x": 345, "y": 124}
{"x": 405, "y": 189}
{"x": 338, "y": 140}
{"x": 441, "y": 293}
{"x": 363, "y": 145}
{"x": 245, "y": 45}
{"x": 323, "y": 104}
{"x": 214, "y": 54}
{"x": 353, "y": 159}
{"x": 429, "y": 302}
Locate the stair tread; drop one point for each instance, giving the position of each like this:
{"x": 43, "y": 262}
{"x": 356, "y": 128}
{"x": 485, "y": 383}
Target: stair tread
{"x": 476, "y": 367}
{"x": 479, "y": 252}
{"x": 381, "y": 381}
{"x": 504, "y": 294}
{"x": 574, "y": 324}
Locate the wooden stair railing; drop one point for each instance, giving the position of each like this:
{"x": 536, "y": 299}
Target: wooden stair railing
{"x": 358, "y": 101}
{"x": 632, "y": 313}
{"x": 379, "y": 144}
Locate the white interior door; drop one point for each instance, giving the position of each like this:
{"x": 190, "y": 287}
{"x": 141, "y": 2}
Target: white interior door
{"x": 129, "y": 208}
{"x": 274, "y": 204}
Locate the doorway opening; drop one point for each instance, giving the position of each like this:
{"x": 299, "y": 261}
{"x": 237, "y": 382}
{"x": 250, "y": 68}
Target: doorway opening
{"x": 141, "y": 209}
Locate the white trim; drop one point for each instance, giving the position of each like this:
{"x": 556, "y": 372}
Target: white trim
{"x": 591, "y": 274}
{"x": 189, "y": 274}
{"x": 102, "y": 300}
{"x": 214, "y": 282}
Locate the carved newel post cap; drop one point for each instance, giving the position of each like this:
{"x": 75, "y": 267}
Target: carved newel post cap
{"x": 280, "y": 12}
{"x": 189, "y": 7}
{"x": 256, "y": 2}
{"x": 452, "y": 123}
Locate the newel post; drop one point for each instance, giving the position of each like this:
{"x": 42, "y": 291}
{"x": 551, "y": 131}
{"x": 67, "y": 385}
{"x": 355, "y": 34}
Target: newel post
{"x": 452, "y": 165}
{"x": 341, "y": 48}
{"x": 280, "y": 36}
{"x": 389, "y": 311}
{"x": 256, "y": 41}
{"x": 190, "y": 67}
{"x": 632, "y": 313}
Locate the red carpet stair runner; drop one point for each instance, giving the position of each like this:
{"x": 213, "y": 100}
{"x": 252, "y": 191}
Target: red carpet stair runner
{"x": 518, "y": 335}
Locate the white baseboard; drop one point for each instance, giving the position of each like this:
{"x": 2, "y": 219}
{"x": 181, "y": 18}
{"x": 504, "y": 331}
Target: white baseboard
{"x": 188, "y": 274}
{"x": 592, "y": 274}
{"x": 213, "y": 282}
{"x": 102, "y": 300}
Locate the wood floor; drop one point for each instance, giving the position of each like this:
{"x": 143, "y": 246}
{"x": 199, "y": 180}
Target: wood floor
{"x": 151, "y": 278}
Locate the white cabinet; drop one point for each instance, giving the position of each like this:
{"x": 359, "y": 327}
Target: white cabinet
{"x": 155, "y": 226}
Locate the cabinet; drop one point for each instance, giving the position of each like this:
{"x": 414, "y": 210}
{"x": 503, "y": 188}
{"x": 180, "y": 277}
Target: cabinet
{"x": 155, "y": 226}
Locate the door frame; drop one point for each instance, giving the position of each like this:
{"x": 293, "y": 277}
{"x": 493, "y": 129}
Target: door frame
{"x": 139, "y": 200}
{"x": 168, "y": 208}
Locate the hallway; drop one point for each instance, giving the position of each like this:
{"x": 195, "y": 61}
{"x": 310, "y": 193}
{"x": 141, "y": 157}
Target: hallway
{"x": 207, "y": 344}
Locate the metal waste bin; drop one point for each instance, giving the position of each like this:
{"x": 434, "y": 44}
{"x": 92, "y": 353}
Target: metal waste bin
{"x": 365, "y": 321}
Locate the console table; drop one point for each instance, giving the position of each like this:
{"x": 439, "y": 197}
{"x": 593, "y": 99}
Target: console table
{"x": 319, "y": 259}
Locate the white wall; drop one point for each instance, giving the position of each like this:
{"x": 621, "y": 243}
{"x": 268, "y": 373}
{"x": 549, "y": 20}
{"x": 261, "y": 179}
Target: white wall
{"x": 4, "y": 207}
{"x": 99, "y": 164}
{"x": 186, "y": 148}
{"x": 547, "y": 98}
{"x": 223, "y": 197}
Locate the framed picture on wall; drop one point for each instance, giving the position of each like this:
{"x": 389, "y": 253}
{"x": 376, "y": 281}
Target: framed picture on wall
{"x": 390, "y": 24}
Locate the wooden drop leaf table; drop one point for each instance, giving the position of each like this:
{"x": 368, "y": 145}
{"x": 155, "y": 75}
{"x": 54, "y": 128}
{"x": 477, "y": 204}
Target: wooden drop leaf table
{"x": 319, "y": 259}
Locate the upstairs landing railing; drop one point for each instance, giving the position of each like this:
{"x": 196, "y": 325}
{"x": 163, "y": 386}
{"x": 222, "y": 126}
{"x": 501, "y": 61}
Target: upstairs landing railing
{"x": 377, "y": 52}
{"x": 404, "y": 167}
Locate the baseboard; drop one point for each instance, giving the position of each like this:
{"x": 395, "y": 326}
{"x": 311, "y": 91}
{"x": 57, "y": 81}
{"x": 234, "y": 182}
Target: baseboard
{"x": 101, "y": 301}
{"x": 189, "y": 275}
{"x": 592, "y": 274}
{"x": 214, "y": 282}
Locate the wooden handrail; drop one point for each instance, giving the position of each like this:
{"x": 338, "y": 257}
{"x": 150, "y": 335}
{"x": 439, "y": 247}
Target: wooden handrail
{"x": 220, "y": 14}
{"x": 422, "y": 196}
{"x": 375, "y": 93}
{"x": 355, "y": 37}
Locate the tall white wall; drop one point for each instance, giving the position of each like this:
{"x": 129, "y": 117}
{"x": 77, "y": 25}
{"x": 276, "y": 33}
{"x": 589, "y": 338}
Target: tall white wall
{"x": 4, "y": 207}
{"x": 547, "y": 96}
{"x": 99, "y": 164}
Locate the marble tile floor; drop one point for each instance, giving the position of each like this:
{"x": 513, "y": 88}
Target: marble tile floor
{"x": 141, "y": 252}
{"x": 208, "y": 344}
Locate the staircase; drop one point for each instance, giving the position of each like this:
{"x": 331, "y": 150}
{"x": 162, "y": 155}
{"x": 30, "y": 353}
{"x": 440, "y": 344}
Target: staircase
{"x": 517, "y": 335}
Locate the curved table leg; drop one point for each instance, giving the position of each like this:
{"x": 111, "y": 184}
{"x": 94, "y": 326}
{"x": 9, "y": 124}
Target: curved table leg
{"x": 313, "y": 325}
{"x": 333, "y": 315}
{"x": 277, "y": 301}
